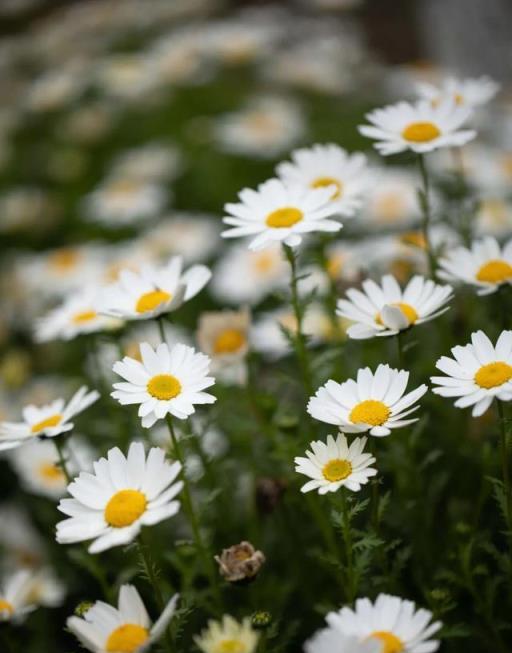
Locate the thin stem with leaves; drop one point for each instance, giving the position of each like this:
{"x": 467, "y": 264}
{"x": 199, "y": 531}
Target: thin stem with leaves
{"x": 426, "y": 209}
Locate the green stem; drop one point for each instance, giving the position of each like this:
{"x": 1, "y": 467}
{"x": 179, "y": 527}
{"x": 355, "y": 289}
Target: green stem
{"x": 62, "y": 458}
{"x": 192, "y": 516}
{"x": 161, "y": 328}
{"x": 400, "y": 351}
{"x": 505, "y": 465}
{"x": 427, "y": 214}
{"x": 98, "y": 573}
{"x": 351, "y": 590}
{"x": 298, "y": 310}
{"x": 325, "y": 528}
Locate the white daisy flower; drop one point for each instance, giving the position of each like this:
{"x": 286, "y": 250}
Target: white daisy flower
{"x": 392, "y": 199}
{"x": 37, "y": 465}
{"x": 477, "y": 373}
{"x": 126, "y": 628}
{"x": 464, "y": 92}
{"x": 15, "y": 602}
{"x": 375, "y": 402}
{"x": 152, "y": 291}
{"x": 123, "y": 494}
{"x": 48, "y": 421}
{"x": 393, "y": 622}
{"x": 334, "y": 464}
{"x": 76, "y": 316}
{"x": 166, "y": 382}
{"x": 242, "y": 276}
{"x": 151, "y": 162}
{"x": 386, "y": 309}
{"x": 228, "y": 635}
{"x": 485, "y": 265}
{"x": 276, "y": 212}
{"x": 330, "y": 165}
{"x": 330, "y": 640}
{"x": 419, "y": 127}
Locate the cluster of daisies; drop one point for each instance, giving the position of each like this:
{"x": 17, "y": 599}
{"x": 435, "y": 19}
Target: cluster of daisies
{"x": 112, "y": 498}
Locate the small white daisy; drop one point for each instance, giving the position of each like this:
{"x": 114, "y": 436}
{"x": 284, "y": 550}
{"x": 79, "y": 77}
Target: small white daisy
{"x": 477, "y": 373}
{"x": 393, "y": 622}
{"x": 330, "y": 165}
{"x": 152, "y": 291}
{"x": 375, "y": 402}
{"x": 48, "y": 421}
{"x": 485, "y": 265}
{"x": 167, "y": 381}
{"x": 15, "y": 602}
{"x": 464, "y": 92}
{"x": 228, "y": 635}
{"x": 125, "y": 629}
{"x": 123, "y": 494}
{"x": 78, "y": 315}
{"x": 419, "y": 127}
{"x": 330, "y": 640}
{"x": 276, "y": 212}
{"x": 386, "y": 309}
{"x": 334, "y": 464}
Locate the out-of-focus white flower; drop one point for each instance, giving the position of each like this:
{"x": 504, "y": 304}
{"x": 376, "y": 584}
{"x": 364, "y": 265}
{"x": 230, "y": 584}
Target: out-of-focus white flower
{"x": 15, "y": 601}
{"x": 220, "y": 634}
{"x": 152, "y": 162}
{"x": 392, "y": 199}
{"x": 464, "y": 92}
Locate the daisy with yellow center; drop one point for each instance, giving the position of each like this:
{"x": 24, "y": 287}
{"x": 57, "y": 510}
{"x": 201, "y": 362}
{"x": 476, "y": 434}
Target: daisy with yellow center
{"x": 152, "y": 291}
{"x": 123, "y": 494}
{"x": 485, "y": 265}
{"x": 477, "y": 373}
{"x": 125, "y": 629}
{"x": 15, "y": 600}
{"x": 166, "y": 381}
{"x": 392, "y": 623}
{"x": 328, "y": 640}
{"x": 375, "y": 402}
{"x": 280, "y": 212}
{"x": 228, "y": 636}
{"x": 76, "y": 316}
{"x": 385, "y": 309}
{"x": 420, "y": 127}
{"x": 464, "y": 92}
{"x": 328, "y": 166}
{"x": 45, "y": 421}
{"x": 333, "y": 464}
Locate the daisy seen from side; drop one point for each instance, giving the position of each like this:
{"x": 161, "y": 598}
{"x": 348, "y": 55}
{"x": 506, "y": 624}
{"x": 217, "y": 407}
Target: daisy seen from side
{"x": 228, "y": 635}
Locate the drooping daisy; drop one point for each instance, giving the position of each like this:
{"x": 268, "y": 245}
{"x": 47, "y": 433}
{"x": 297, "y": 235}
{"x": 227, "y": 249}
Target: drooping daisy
{"x": 228, "y": 635}
{"x": 464, "y": 92}
{"x": 328, "y": 165}
{"x": 167, "y": 381}
{"x": 393, "y": 622}
{"x": 15, "y": 601}
{"x": 125, "y": 629}
{"x": 330, "y": 640}
{"x": 276, "y": 212}
{"x": 334, "y": 464}
{"x": 37, "y": 464}
{"x": 477, "y": 373}
{"x": 47, "y": 421}
{"x": 124, "y": 494}
{"x": 224, "y": 336}
{"x": 375, "y": 402}
{"x": 419, "y": 127}
{"x": 386, "y": 309}
{"x": 78, "y": 315}
{"x": 152, "y": 291}
{"x": 485, "y": 265}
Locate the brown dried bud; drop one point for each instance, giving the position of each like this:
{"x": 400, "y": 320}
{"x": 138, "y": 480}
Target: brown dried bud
{"x": 240, "y": 563}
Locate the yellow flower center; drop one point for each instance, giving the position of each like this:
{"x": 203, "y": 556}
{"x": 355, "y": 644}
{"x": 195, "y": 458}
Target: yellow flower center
{"x": 335, "y": 265}
{"x": 132, "y": 350}
{"x": 151, "y": 300}
{"x": 230, "y": 646}
{"x": 495, "y": 271}
{"x": 263, "y": 262}
{"x": 391, "y": 643}
{"x": 83, "y": 316}
{"x": 493, "y": 375}
{"x": 322, "y": 182}
{"x": 126, "y": 639}
{"x": 47, "y": 423}
{"x": 229, "y": 341}
{"x": 164, "y": 387}
{"x": 285, "y": 217}
{"x": 370, "y": 412}
{"x": 51, "y": 473}
{"x": 414, "y": 238}
{"x": 409, "y": 312}
{"x": 390, "y": 206}
{"x": 5, "y": 606}
{"x": 64, "y": 259}
{"x": 506, "y": 165}
{"x": 125, "y": 507}
{"x": 336, "y": 470}
{"x": 421, "y": 132}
